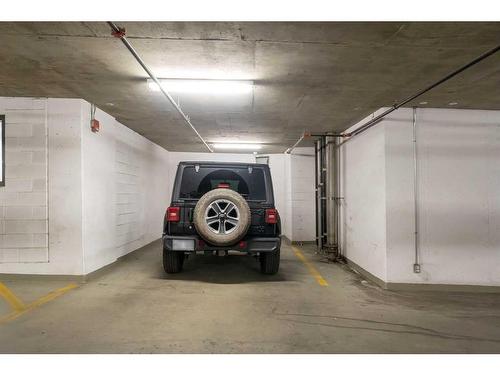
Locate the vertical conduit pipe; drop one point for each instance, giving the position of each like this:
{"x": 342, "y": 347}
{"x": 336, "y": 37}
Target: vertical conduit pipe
{"x": 330, "y": 193}
{"x": 416, "y": 265}
{"x": 327, "y": 184}
{"x": 317, "y": 146}
{"x": 337, "y": 198}
{"x": 324, "y": 195}
{"x": 333, "y": 198}
{"x": 323, "y": 190}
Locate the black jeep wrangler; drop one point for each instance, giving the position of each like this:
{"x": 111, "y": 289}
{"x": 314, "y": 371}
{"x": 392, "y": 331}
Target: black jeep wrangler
{"x": 217, "y": 207}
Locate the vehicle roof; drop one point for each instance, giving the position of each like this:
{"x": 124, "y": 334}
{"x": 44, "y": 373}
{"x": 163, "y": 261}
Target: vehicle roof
{"x": 238, "y": 164}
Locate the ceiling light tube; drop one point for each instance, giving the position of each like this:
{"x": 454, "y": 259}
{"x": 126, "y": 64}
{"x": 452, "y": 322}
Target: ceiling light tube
{"x": 237, "y": 146}
{"x": 203, "y": 86}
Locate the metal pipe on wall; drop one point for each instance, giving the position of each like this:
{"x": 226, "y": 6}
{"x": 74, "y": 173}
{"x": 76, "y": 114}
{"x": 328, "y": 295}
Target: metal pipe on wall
{"x": 327, "y": 191}
{"x": 416, "y": 265}
{"x": 337, "y": 198}
{"x": 318, "y": 164}
{"x": 324, "y": 192}
{"x": 331, "y": 219}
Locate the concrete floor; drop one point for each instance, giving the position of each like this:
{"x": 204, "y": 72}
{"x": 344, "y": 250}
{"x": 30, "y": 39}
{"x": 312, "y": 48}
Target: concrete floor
{"x": 224, "y": 305}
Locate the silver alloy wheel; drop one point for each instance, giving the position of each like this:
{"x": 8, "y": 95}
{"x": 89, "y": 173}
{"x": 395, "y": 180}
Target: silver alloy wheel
{"x": 222, "y": 216}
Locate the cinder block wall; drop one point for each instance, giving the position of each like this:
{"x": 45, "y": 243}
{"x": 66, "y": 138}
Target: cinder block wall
{"x": 302, "y": 195}
{"x": 59, "y": 210}
{"x": 294, "y": 193}
{"x": 458, "y": 211}
{"x": 23, "y": 200}
{"x": 125, "y": 190}
{"x": 363, "y": 221}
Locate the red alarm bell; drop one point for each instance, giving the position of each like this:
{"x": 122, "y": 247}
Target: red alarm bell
{"x": 94, "y": 125}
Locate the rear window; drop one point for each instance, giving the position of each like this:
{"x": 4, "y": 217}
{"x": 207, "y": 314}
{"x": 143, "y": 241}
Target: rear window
{"x": 249, "y": 182}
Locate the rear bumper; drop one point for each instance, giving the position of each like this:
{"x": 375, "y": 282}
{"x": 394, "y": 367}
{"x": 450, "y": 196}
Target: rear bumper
{"x": 252, "y": 245}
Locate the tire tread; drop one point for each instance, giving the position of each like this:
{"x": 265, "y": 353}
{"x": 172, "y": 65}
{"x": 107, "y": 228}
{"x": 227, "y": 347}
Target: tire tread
{"x": 270, "y": 262}
{"x": 173, "y": 261}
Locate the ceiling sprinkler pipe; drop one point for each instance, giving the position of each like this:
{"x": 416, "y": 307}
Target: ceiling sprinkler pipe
{"x": 290, "y": 149}
{"x": 309, "y": 135}
{"x": 378, "y": 118}
{"x": 333, "y": 135}
{"x": 119, "y": 32}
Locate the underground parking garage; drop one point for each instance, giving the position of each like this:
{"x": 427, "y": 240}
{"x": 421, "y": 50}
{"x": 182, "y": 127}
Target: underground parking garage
{"x": 249, "y": 187}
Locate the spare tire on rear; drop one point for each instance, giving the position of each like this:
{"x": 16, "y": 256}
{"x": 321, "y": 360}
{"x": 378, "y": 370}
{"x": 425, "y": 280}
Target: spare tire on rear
{"x": 222, "y": 217}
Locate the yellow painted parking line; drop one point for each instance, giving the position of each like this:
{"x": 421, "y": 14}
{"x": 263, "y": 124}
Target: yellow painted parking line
{"x": 312, "y": 270}
{"x": 39, "y": 302}
{"x": 11, "y": 298}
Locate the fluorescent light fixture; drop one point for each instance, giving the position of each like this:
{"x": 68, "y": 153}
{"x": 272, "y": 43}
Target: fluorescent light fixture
{"x": 237, "y": 146}
{"x": 203, "y": 86}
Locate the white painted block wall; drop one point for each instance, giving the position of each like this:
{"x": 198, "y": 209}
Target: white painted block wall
{"x": 23, "y": 199}
{"x": 64, "y": 123}
{"x": 50, "y": 134}
{"x": 278, "y": 164}
{"x": 364, "y": 205}
{"x": 459, "y": 204}
{"x": 125, "y": 190}
{"x": 302, "y": 194}
{"x": 459, "y": 200}
{"x": 89, "y": 177}
{"x": 294, "y": 190}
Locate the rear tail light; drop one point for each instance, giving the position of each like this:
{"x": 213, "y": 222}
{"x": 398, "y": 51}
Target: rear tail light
{"x": 223, "y": 185}
{"x": 271, "y": 216}
{"x": 173, "y": 214}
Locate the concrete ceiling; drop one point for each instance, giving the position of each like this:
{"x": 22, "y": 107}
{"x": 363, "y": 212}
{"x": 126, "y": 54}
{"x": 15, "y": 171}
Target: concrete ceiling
{"x": 308, "y": 76}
